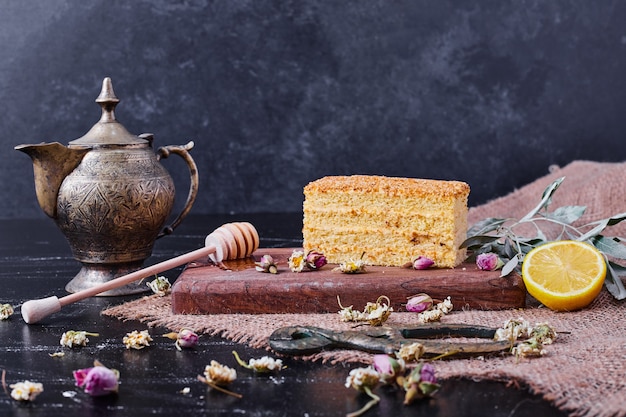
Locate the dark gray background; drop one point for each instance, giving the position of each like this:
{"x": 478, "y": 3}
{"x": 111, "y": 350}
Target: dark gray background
{"x": 278, "y": 93}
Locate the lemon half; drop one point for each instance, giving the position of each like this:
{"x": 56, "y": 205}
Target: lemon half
{"x": 564, "y": 275}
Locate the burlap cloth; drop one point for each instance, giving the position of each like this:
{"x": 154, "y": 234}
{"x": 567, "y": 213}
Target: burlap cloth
{"x": 583, "y": 373}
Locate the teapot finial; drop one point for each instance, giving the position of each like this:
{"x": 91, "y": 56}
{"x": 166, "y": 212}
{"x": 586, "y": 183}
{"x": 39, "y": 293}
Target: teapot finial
{"x": 107, "y": 100}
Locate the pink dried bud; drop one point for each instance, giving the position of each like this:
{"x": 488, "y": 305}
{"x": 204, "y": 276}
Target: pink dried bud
{"x": 422, "y": 262}
{"x": 266, "y": 264}
{"x": 489, "y": 261}
{"x": 315, "y": 260}
{"x": 97, "y": 381}
{"x": 419, "y": 303}
{"x": 421, "y": 382}
{"x": 387, "y": 367}
{"x": 187, "y": 338}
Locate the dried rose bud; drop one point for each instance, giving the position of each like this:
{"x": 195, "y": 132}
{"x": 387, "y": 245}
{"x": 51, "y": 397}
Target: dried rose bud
{"x": 422, "y": 262}
{"x": 97, "y": 381}
{"x": 315, "y": 260}
{"x": 419, "y": 303}
{"x": 421, "y": 382}
{"x": 388, "y": 368}
{"x": 186, "y": 338}
{"x": 266, "y": 264}
{"x": 489, "y": 261}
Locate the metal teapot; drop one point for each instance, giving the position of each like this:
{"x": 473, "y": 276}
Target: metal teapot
{"x": 109, "y": 195}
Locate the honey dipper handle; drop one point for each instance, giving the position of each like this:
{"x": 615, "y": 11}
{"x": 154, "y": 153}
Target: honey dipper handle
{"x": 35, "y": 310}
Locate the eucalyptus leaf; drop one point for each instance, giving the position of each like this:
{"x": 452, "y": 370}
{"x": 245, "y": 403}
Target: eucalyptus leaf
{"x": 485, "y": 226}
{"x": 609, "y": 246}
{"x": 613, "y": 283}
{"x": 567, "y": 214}
{"x": 498, "y": 235}
{"x": 478, "y": 241}
{"x": 613, "y": 220}
{"x": 509, "y": 266}
{"x": 546, "y": 198}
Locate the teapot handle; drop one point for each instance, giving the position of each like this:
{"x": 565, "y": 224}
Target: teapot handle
{"x": 183, "y": 152}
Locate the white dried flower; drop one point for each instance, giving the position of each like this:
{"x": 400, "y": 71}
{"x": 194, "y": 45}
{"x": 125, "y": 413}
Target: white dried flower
{"x": 360, "y": 378}
{"x": 430, "y": 316}
{"x": 513, "y": 329}
{"x": 297, "y": 261}
{"x": 160, "y": 286}
{"x": 374, "y": 313}
{"x": 6, "y": 310}
{"x": 219, "y": 374}
{"x": 543, "y": 333}
{"x": 73, "y": 338}
{"x": 26, "y": 390}
{"x": 528, "y": 349}
{"x": 411, "y": 352}
{"x": 264, "y": 364}
{"x": 137, "y": 339}
{"x": 445, "y": 306}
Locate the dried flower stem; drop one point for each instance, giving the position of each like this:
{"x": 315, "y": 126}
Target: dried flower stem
{"x": 4, "y": 381}
{"x": 217, "y": 387}
{"x": 375, "y": 399}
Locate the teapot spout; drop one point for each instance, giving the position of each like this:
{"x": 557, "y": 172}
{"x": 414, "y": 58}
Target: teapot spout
{"x": 52, "y": 162}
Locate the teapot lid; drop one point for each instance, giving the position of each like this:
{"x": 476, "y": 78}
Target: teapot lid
{"x": 108, "y": 131}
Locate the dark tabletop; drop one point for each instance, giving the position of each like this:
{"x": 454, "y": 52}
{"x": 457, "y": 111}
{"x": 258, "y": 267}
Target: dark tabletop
{"x": 36, "y": 262}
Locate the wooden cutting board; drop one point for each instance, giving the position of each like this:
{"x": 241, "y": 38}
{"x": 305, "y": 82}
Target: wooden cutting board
{"x": 208, "y": 289}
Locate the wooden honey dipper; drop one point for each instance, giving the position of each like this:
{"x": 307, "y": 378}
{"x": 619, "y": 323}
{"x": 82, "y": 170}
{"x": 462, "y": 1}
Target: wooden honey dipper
{"x": 229, "y": 241}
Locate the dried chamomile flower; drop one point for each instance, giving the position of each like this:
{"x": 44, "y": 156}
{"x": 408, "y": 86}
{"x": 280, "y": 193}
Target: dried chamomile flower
{"x": 352, "y": 266}
{"x": 160, "y": 286}
{"x": 217, "y": 376}
{"x": 377, "y": 313}
{"x": 26, "y": 390}
{"x": 530, "y": 348}
{"x": 420, "y": 383}
{"x": 97, "y": 380}
{"x": 364, "y": 380}
{"x": 297, "y": 261}
{"x": 73, "y": 338}
{"x": 266, "y": 264}
{"x": 312, "y": 261}
{"x": 374, "y": 313}
{"x": 137, "y": 339}
{"x": 264, "y": 364}
{"x": 411, "y": 352}
{"x": 513, "y": 329}
{"x": 185, "y": 338}
{"x": 543, "y": 333}
{"x": 6, "y": 310}
{"x": 535, "y": 337}
{"x": 437, "y": 312}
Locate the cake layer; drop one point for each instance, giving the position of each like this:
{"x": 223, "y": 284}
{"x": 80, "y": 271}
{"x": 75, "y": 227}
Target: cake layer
{"x": 391, "y": 220}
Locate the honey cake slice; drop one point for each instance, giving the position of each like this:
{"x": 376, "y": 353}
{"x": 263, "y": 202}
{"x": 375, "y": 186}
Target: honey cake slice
{"x": 391, "y": 220}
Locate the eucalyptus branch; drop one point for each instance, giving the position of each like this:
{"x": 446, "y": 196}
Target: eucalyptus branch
{"x": 498, "y": 235}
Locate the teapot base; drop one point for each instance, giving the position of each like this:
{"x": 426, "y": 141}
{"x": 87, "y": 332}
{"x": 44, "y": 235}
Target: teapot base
{"x": 92, "y": 275}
